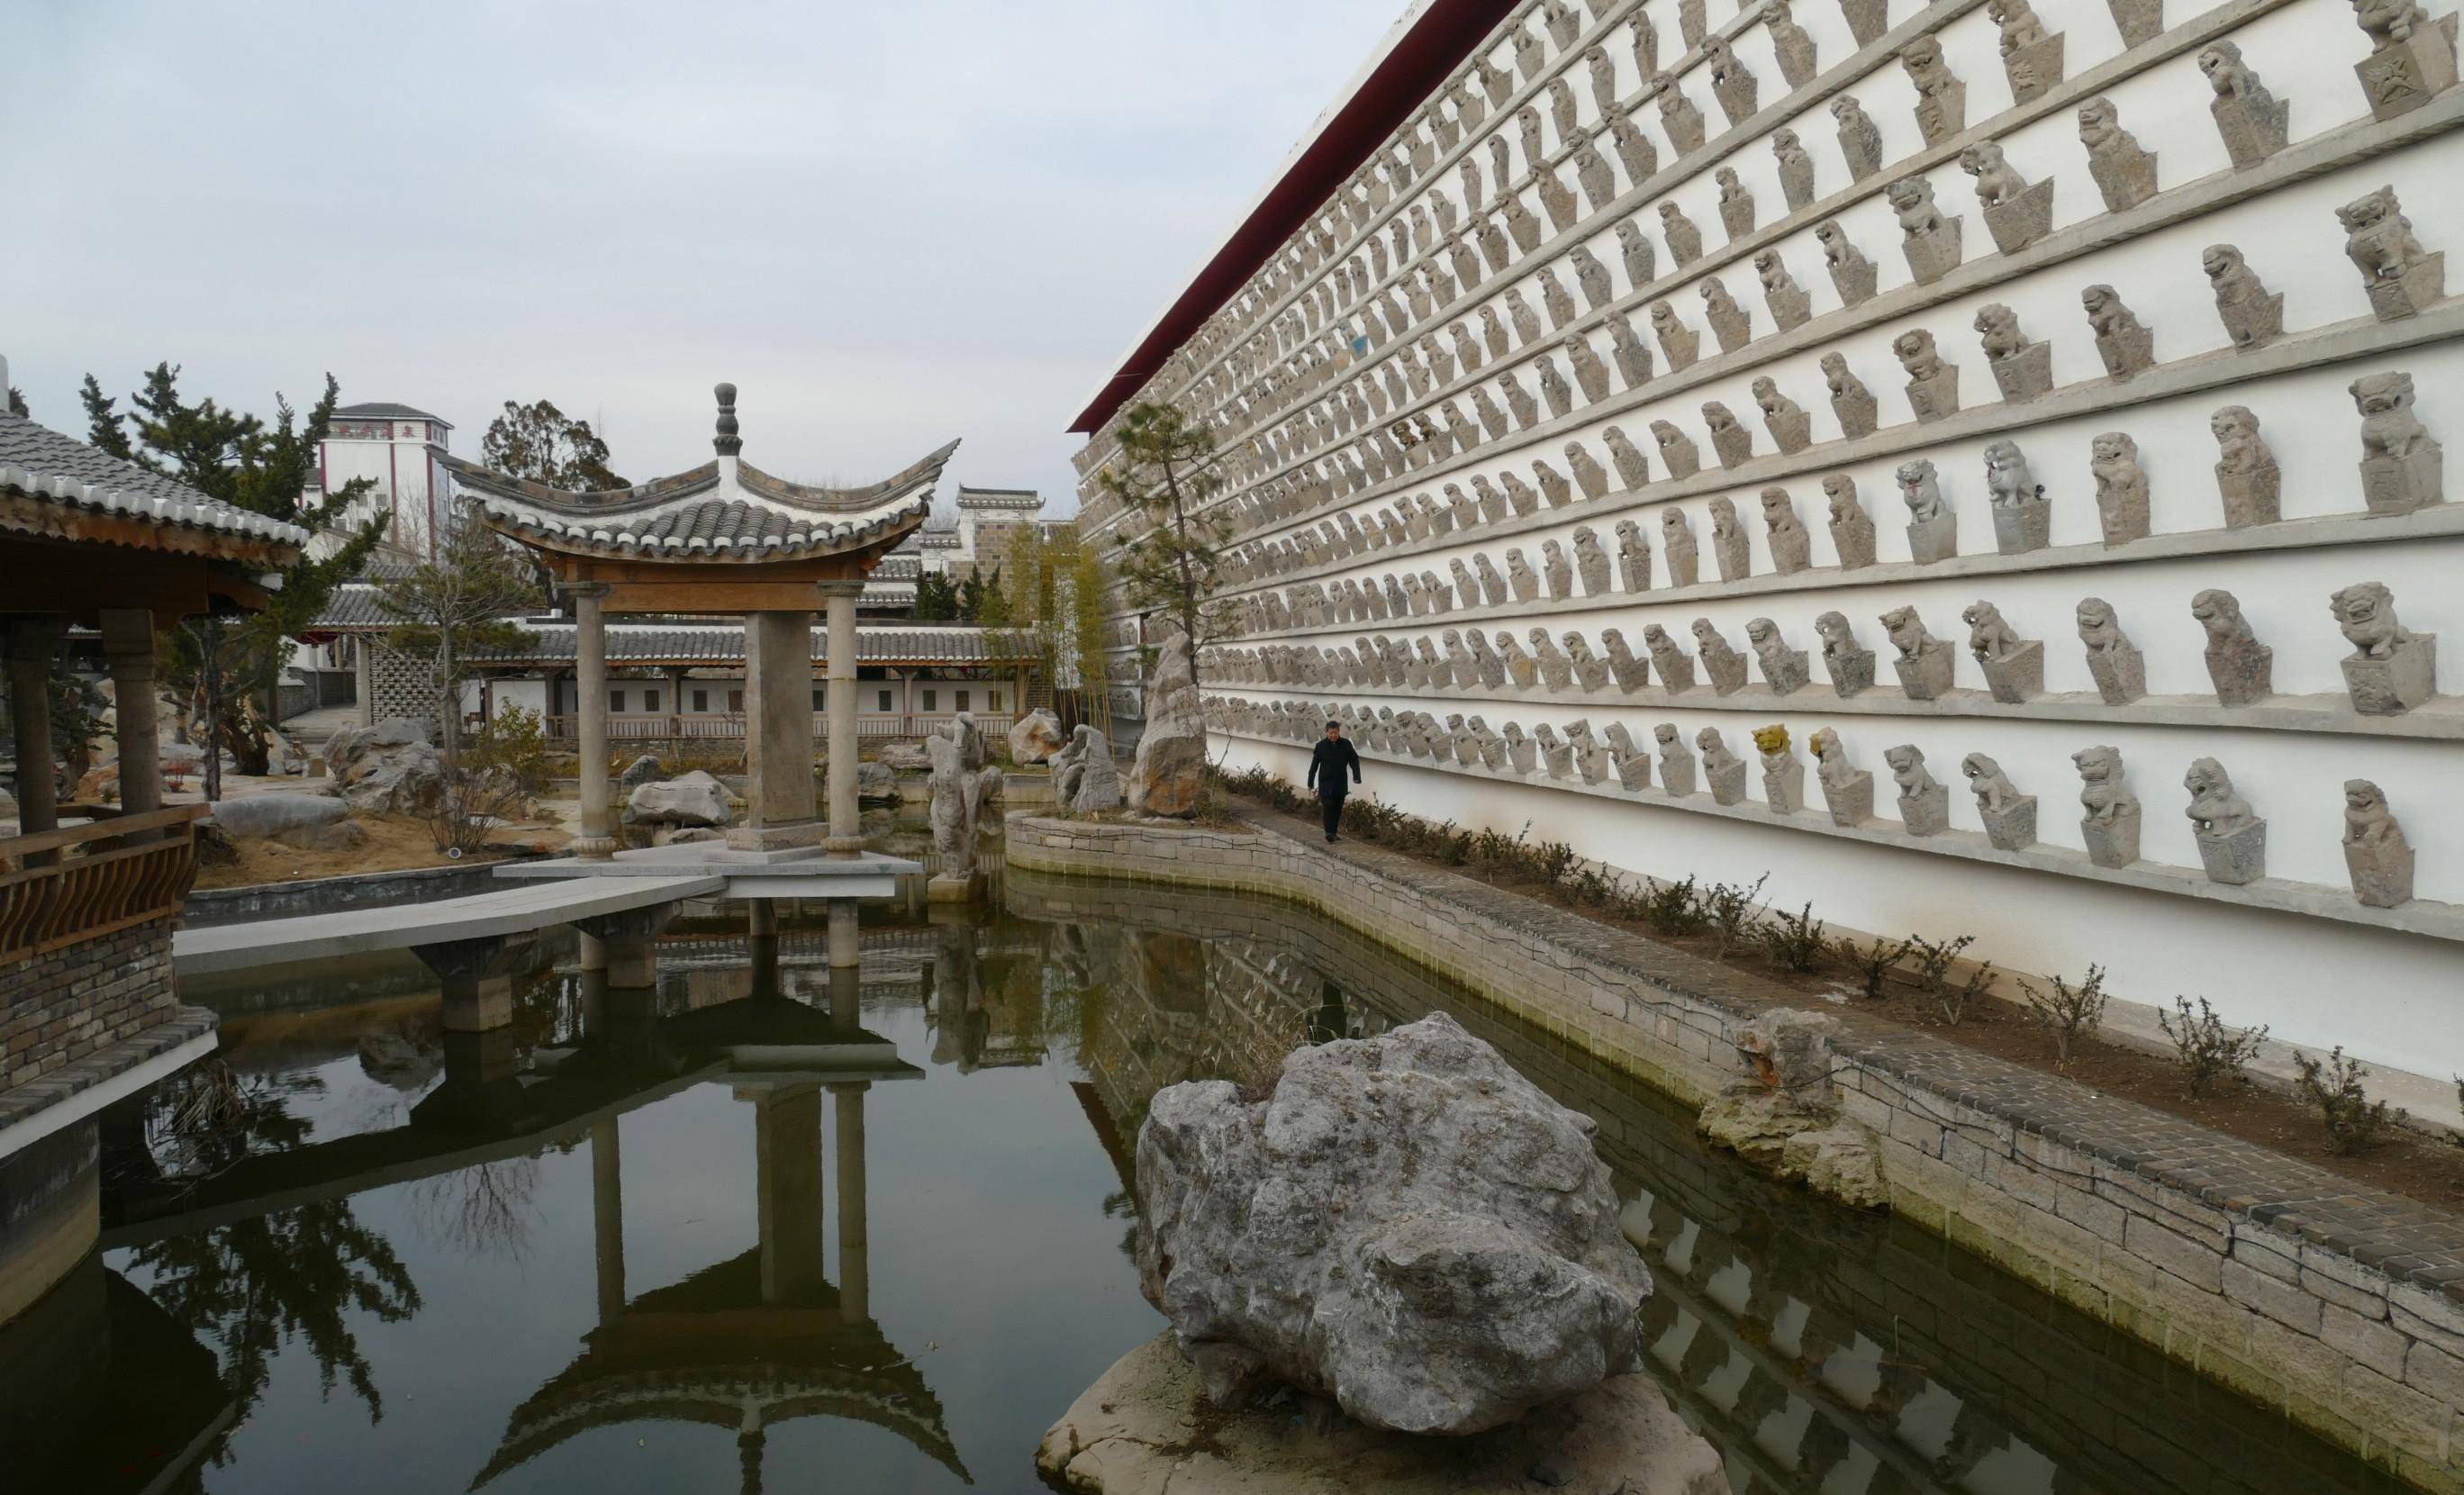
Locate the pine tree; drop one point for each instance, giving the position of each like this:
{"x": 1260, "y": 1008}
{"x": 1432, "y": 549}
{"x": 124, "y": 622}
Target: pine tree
{"x": 228, "y": 670}
{"x": 17, "y": 404}
{"x": 453, "y": 605}
{"x": 1162, "y": 473}
{"x": 541, "y": 443}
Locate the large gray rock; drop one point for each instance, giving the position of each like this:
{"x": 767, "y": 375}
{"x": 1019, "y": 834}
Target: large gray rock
{"x": 876, "y": 783}
{"x": 644, "y": 769}
{"x": 1145, "y": 1426}
{"x": 1034, "y": 737}
{"x": 693, "y": 798}
{"x": 262, "y": 816}
{"x": 1406, "y": 1226}
{"x": 1085, "y": 778}
{"x": 387, "y": 768}
{"x": 905, "y": 758}
{"x": 1170, "y": 770}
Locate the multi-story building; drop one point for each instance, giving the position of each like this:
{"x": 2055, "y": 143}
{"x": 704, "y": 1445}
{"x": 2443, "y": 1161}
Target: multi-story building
{"x": 401, "y": 450}
{"x": 1831, "y": 442}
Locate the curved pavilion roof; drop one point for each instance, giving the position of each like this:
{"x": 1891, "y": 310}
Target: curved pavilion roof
{"x": 709, "y": 1349}
{"x": 723, "y": 511}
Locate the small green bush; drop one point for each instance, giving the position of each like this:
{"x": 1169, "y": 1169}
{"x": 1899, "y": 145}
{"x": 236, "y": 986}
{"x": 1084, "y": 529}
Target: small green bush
{"x": 2070, "y": 1013}
{"x": 1935, "y": 960}
{"x": 1729, "y": 912}
{"x": 1872, "y": 963}
{"x": 2354, "y": 1120}
{"x": 1795, "y": 941}
{"x": 2207, "y": 1052}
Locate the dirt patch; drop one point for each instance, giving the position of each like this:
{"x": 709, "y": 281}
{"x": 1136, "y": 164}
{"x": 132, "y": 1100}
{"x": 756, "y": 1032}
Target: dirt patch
{"x": 395, "y": 844}
{"x": 2409, "y": 1163}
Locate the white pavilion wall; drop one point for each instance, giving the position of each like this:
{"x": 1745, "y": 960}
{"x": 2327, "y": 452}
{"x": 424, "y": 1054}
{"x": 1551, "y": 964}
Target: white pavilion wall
{"x": 2395, "y": 998}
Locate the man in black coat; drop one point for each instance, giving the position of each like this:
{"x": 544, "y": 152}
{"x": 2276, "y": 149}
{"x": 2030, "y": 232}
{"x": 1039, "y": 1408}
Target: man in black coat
{"x": 1327, "y": 762}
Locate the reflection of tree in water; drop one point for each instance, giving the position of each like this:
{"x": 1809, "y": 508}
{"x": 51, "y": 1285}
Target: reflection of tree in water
{"x": 251, "y": 1285}
{"x": 483, "y": 1210}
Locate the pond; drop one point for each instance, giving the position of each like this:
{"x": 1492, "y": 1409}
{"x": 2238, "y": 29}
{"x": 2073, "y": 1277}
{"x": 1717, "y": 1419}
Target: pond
{"x": 759, "y": 1229}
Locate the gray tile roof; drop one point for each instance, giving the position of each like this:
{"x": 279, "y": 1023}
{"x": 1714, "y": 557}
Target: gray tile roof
{"x": 642, "y": 644}
{"x": 384, "y": 411}
{"x": 57, "y": 470}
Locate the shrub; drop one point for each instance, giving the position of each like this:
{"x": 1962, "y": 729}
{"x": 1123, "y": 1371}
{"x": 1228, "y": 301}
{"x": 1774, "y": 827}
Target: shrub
{"x": 1729, "y": 912}
{"x": 1935, "y": 960}
{"x": 1795, "y": 941}
{"x": 1673, "y": 908}
{"x": 2354, "y": 1120}
{"x": 2069, "y": 1012}
{"x": 1872, "y": 963}
{"x": 2207, "y": 1050}
{"x": 511, "y": 743}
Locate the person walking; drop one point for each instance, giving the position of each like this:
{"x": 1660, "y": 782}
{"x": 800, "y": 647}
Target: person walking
{"x": 1327, "y": 762}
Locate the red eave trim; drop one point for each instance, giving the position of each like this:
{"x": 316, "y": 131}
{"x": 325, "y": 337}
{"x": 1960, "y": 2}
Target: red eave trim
{"x": 1437, "y": 42}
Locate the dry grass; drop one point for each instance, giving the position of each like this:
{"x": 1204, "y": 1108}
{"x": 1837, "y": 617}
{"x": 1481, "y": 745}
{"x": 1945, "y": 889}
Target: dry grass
{"x": 395, "y": 844}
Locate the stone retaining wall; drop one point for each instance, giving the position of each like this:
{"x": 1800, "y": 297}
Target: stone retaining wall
{"x": 2343, "y": 1307}
{"x": 60, "y": 1007}
{"x": 206, "y": 906}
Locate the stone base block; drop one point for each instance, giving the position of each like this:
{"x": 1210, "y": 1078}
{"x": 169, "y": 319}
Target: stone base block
{"x": 2017, "y": 675}
{"x": 2120, "y": 674}
{"x": 1936, "y": 398}
{"x": 1851, "y": 804}
{"x": 965, "y": 887}
{"x": 2124, "y": 178}
{"x": 2112, "y": 843}
{"x": 2254, "y": 324}
{"x": 1728, "y": 783}
{"x": 2403, "y": 75}
{"x": 2381, "y": 875}
{"x": 1933, "y": 256}
{"x": 2124, "y": 518}
{"x": 1943, "y": 115}
{"x": 1786, "y": 672}
{"x": 2242, "y": 673}
{"x": 1855, "y": 279}
{"x": 1934, "y": 539}
{"x": 2400, "y": 485}
{"x": 2238, "y": 858}
{"x": 1856, "y": 412}
{"x": 2127, "y": 352}
{"x": 2405, "y": 296}
{"x": 1791, "y": 309}
{"x": 1925, "y": 673}
{"x": 1727, "y": 671}
{"x": 1867, "y": 20}
{"x": 1784, "y": 788}
{"x": 2022, "y": 220}
{"x": 1633, "y": 774}
{"x": 2391, "y": 686}
{"x": 1792, "y": 433}
{"x": 2255, "y": 497}
{"x": 2013, "y": 827}
{"x": 1851, "y": 671}
{"x": 2025, "y": 374}
{"x": 778, "y": 837}
{"x": 2033, "y": 68}
{"x": 2251, "y": 134}
{"x": 1926, "y": 812}
{"x": 1677, "y": 778}
{"x": 2023, "y": 527}
{"x": 594, "y": 847}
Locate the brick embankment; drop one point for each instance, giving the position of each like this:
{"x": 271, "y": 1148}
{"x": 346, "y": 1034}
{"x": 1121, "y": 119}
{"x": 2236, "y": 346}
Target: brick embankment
{"x": 2339, "y": 1305}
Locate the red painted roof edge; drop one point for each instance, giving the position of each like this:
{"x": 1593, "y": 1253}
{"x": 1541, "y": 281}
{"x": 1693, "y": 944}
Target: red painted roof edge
{"x": 1436, "y": 43}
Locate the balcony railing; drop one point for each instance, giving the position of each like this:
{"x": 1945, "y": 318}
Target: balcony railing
{"x": 687, "y": 727}
{"x": 61, "y": 888}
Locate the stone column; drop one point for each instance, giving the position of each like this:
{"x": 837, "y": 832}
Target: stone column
{"x": 129, "y": 642}
{"x": 788, "y": 1199}
{"x": 31, "y": 643}
{"x": 364, "y": 678}
{"x": 846, "y": 836}
{"x": 598, "y": 838}
{"x": 845, "y": 950}
{"x": 778, "y": 733}
{"x": 855, "y": 1270}
{"x": 607, "y": 1217}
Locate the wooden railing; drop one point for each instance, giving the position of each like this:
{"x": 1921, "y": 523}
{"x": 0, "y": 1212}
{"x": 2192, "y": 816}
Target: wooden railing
{"x": 60, "y": 888}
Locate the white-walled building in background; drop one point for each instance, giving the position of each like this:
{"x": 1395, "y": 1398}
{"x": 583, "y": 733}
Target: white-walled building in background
{"x": 400, "y": 449}
{"x": 1551, "y": 353}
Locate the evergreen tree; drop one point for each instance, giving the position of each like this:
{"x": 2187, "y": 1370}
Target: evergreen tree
{"x": 17, "y": 404}
{"x": 541, "y": 443}
{"x": 1162, "y": 474}
{"x": 452, "y": 605}
{"x": 936, "y": 601}
{"x": 228, "y": 670}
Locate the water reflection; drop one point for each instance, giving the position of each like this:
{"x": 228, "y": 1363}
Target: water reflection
{"x": 713, "y": 1236}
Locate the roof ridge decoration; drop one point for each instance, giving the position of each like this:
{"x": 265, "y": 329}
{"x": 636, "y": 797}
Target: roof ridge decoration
{"x": 725, "y": 510}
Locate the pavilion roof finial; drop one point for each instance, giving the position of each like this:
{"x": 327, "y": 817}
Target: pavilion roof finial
{"x": 727, "y": 443}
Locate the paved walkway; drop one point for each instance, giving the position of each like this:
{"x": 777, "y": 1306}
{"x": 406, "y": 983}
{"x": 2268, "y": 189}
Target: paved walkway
{"x": 518, "y": 908}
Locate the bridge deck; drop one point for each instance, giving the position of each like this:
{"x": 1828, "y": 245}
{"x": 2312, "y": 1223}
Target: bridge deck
{"x": 518, "y": 908}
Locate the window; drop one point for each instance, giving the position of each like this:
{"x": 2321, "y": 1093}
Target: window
{"x": 931, "y": 699}
{"x": 885, "y": 700}
{"x": 962, "y": 701}
{"x": 702, "y": 700}
{"x": 736, "y": 703}
{"x": 615, "y": 700}
{"x": 992, "y": 700}
{"x": 821, "y": 701}
{"x": 649, "y": 700}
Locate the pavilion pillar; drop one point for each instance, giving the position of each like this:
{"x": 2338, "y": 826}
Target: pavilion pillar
{"x": 845, "y": 944}
{"x": 788, "y": 1197}
{"x": 129, "y": 642}
{"x": 31, "y": 643}
{"x": 847, "y": 834}
{"x": 778, "y": 733}
{"x": 598, "y": 838}
{"x": 855, "y": 1270}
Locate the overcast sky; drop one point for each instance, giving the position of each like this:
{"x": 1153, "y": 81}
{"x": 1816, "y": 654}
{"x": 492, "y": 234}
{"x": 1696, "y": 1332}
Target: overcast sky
{"x": 889, "y": 223}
